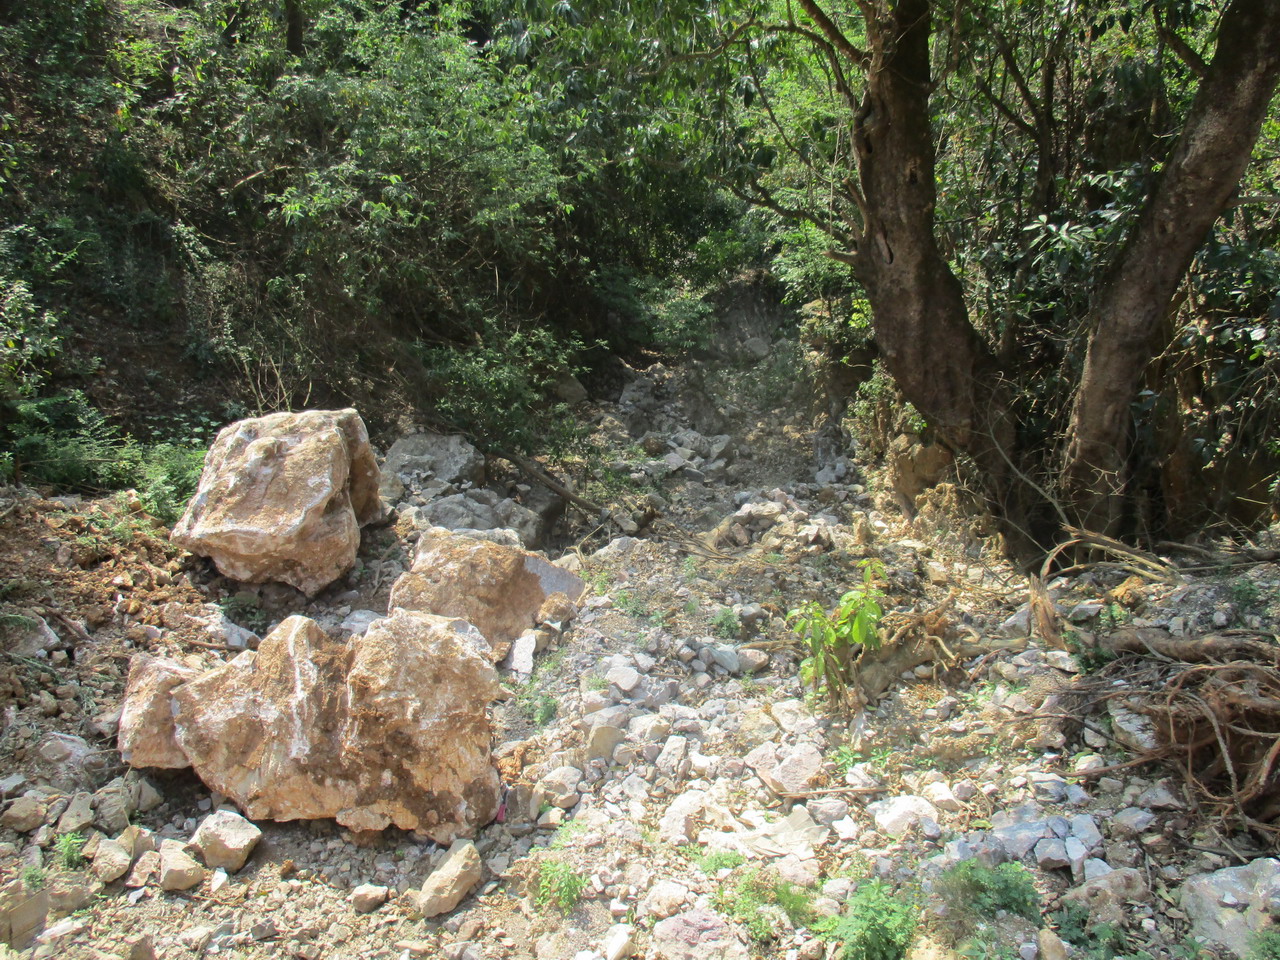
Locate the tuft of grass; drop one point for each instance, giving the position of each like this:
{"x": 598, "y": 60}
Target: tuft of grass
{"x": 69, "y": 847}
{"x": 34, "y": 878}
{"x": 1099, "y": 941}
{"x": 878, "y": 925}
{"x": 726, "y": 624}
{"x": 714, "y": 861}
{"x": 560, "y": 883}
{"x": 762, "y": 906}
{"x": 983, "y": 892}
{"x": 566, "y": 832}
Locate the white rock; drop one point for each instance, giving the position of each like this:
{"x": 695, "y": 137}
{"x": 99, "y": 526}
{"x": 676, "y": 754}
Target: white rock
{"x": 178, "y": 871}
{"x": 368, "y": 897}
{"x": 449, "y": 883}
{"x": 665, "y": 898}
{"x": 897, "y": 815}
{"x": 939, "y": 793}
{"x": 618, "y": 943}
{"x": 226, "y": 839}
{"x": 111, "y": 861}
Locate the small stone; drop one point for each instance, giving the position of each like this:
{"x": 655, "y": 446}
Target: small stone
{"x": 111, "y": 861}
{"x": 178, "y": 871}
{"x": 940, "y": 794}
{"x": 558, "y": 788}
{"x": 696, "y": 935}
{"x": 368, "y": 897}
{"x": 1052, "y": 855}
{"x": 896, "y": 816}
{"x": 827, "y": 810}
{"x": 752, "y": 661}
{"x": 1161, "y": 796}
{"x": 666, "y": 898}
{"x": 145, "y": 870}
{"x": 226, "y": 839}
{"x": 24, "y": 815}
{"x": 603, "y": 740}
{"x": 78, "y": 815}
{"x": 1131, "y": 821}
{"x": 618, "y": 943}
{"x": 450, "y": 882}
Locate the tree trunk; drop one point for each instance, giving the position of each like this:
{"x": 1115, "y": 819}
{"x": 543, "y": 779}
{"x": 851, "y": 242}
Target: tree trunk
{"x": 1199, "y": 177}
{"x": 921, "y": 323}
{"x": 294, "y": 25}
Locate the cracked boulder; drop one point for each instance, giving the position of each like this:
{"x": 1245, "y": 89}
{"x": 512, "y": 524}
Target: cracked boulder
{"x": 283, "y": 497}
{"x": 390, "y": 727}
{"x": 501, "y": 590}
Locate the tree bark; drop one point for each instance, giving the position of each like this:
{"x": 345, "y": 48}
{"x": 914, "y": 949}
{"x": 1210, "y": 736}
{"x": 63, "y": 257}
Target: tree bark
{"x": 921, "y": 323}
{"x": 294, "y": 27}
{"x": 1195, "y": 185}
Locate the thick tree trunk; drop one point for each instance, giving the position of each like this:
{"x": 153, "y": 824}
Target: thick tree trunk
{"x": 921, "y": 323}
{"x": 1198, "y": 179}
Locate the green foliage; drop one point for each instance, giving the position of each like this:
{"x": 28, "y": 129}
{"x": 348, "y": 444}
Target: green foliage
{"x": 761, "y": 905}
{"x": 559, "y": 882}
{"x": 246, "y": 610}
{"x": 877, "y": 925}
{"x": 1098, "y": 941}
{"x": 34, "y": 878}
{"x": 1266, "y": 945}
{"x": 982, "y": 892}
{"x": 834, "y": 640}
{"x": 1091, "y": 657}
{"x": 496, "y": 390}
{"x": 68, "y": 847}
{"x": 1244, "y": 593}
{"x": 725, "y": 624}
{"x": 712, "y": 862}
{"x": 170, "y": 474}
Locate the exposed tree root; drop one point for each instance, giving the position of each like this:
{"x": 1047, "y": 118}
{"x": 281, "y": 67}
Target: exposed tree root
{"x": 1215, "y": 703}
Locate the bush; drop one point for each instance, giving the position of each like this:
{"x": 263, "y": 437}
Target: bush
{"x": 559, "y": 882}
{"x": 836, "y": 639}
{"x": 878, "y": 925}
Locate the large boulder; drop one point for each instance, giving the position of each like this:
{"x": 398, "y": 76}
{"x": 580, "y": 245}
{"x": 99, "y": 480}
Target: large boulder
{"x": 283, "y": 497}
{"x": 388, "y": 728}
{"x": 502, "y": 590}
{"x": 146, "y": 736}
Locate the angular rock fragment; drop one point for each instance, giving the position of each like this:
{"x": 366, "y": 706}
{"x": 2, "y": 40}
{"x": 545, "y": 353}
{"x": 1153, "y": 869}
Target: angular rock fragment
{"x": 387, "y": 728}
{"x": 178, "y": 870}
{"x": 226, "y": 839}
{"x": 146, "y": 736}
{"x": 452, "y": 880}
{"x": 283, "y": 497}
{"x": 499, "y": 589}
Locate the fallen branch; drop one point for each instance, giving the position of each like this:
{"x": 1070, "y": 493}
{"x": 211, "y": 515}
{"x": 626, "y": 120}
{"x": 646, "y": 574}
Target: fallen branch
{"x": 534, "y": 472}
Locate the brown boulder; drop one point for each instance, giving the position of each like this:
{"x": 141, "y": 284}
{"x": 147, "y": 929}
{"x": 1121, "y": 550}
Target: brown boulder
{"x": 283, "y": 498}
{"x": 499, "y": 589}
{"x": 388, "y": 728}
{"x": 146, "y": 736}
